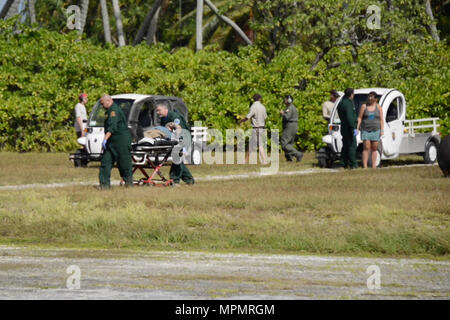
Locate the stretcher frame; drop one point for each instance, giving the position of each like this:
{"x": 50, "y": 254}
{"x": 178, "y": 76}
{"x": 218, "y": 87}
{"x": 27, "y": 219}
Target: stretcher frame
{"x": 152, "y": 157}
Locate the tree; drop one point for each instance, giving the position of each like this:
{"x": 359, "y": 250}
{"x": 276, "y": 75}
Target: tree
{"x": 151, "y": 34}
{"x": 336, "y": 29}
{"x": 225, "y": 24}
{"x": 147, "y": 21}
{"x": 432, "y": 25}
{"x": 120, "y": 34}
{"x": 105, "y": 19}
{"x": 84, "y": 13}
{"x": 199, "y": 25}
{"x": 32, "y": 11}
{"x": 228, "y": 21}
{"x": 11, "y": 8}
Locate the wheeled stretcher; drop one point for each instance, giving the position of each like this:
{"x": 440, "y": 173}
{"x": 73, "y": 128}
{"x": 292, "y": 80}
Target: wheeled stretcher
{"x": 151, "y": 153}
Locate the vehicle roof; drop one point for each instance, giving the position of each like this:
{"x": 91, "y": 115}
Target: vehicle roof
{"x": 137, "y": 96}
{"x": 379, "y": 91}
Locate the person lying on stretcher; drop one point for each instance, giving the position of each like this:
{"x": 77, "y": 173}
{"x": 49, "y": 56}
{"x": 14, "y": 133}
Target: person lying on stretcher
{"x": 170, "y": 131}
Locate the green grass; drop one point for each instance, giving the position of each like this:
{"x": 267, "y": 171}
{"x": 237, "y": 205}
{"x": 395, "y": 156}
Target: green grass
{"x": 27, "y": 168}
{"x": 388, "y": 212}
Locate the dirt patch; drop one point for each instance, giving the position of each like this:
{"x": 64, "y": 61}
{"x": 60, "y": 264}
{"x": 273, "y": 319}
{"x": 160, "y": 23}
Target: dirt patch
{"x": 111, "y": 274}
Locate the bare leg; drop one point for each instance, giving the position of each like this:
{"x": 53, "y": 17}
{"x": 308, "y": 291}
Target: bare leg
{"x": 373, "y": 148}
{"x": 262, "y": 155}
{"x": 365, "y": 153}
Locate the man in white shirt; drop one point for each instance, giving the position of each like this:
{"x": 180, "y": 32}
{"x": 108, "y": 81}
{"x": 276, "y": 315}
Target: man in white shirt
{"x": 328, "y": 106}
{"x": 258, "y": 117}
{"x": 81, "y": 115}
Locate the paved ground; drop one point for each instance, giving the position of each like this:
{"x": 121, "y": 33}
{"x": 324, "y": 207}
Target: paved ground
{"x": 42, "y": 274}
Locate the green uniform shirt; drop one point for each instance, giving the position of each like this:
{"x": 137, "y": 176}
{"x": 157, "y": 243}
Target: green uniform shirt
{"x": 116, "y": 122}
{"x": 177, "y": 118}
{"x": 347, "y": 114}
{"x": 290, "y": 115}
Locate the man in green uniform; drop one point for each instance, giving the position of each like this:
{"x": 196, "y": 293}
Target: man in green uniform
{"x": 347, "y": 114}
{"x": 116, "y": 144}
{"x": 290, "y": 129}
{"x": 178, "y": 171}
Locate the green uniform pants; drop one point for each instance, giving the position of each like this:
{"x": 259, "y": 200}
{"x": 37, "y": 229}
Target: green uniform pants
{"x": 288, "y": 138}
{"x": 180, "y": 171}
{"x": 119, "y": 152}
{"x": 348, "y": 152}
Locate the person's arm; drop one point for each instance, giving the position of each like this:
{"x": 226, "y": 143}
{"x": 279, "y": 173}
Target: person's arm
{"x": 172, "y": 126}
{"x": 78, "y": 118}
{"x": 81, "y": 125}
{"x": 107, "y": 136}
{"x": 248, "y": 116}
{"x": 242, "y": 120}
{"x": 349, "y": 114}
{"x": 288, "y": 114}
{"x": 361, "y": 112}
{"x": 113, "y": 121}
{"x": 325, "y": 110}
{"x": 381, "y": 119}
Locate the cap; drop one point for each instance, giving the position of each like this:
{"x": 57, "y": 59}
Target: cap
{"x": 83, "y": 95}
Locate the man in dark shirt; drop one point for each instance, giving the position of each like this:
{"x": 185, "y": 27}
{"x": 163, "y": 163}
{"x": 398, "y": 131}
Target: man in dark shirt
{"x": 177, "y": 171}
{"x": 116, "y": 144}
{"x": 290, "y": 129}
{"x": 347, "y": 114}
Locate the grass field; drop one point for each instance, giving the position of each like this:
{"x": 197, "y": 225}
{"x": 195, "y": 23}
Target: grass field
{"x": 389, "y": 212}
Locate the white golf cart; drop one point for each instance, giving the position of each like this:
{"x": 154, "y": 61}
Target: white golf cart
{"x": 141, "y": 114}
{"x": 401, "y": 136}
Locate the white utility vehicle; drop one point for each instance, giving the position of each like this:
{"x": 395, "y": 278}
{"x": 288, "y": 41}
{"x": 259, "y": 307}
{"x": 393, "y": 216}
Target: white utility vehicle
{"x": 141, "y": 114}
{"x": 401, "y": 136}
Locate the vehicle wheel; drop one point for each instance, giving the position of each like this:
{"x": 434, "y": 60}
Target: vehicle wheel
{"x": 80, "y": 159}
{"x": 322, "y": 163}
{"x": 430, "y": 155}
{"x": 325, "y": 163}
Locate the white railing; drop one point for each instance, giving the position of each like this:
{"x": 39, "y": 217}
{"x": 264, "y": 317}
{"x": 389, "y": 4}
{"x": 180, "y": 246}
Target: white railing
{"x": 411, "y": 125}
{"x": 199, "y": 134}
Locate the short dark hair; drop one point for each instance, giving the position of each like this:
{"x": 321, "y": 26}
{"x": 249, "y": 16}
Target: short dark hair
{"x": 334, "y": 93}
{"x": 161, "y": 104}
{"x": 372, "y": 94}
{"x": 257, "y": 97}
{"x": 348, "y": 92}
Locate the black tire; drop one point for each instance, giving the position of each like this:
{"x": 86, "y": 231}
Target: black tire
{"x": 324, "y": 157}
{"x": 430, "y": 155}
{"x": 80, "y": 159}
{"x": 325, "y": 163}
{"x": 322, "y": 163}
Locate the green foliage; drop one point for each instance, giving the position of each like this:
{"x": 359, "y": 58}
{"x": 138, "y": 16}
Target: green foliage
{"x": 42, "y": 73}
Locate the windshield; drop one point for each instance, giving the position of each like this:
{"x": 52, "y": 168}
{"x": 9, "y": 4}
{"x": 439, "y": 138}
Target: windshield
{"x": 97, "y": 118}
{"x": 359, "y": 100}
